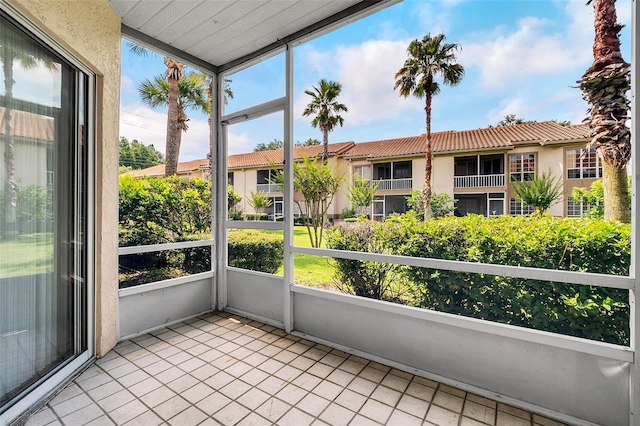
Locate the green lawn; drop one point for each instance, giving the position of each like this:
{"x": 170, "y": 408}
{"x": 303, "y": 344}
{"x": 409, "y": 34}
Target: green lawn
{"x": 26, "y": 255}
{"x": 313, "y": 271}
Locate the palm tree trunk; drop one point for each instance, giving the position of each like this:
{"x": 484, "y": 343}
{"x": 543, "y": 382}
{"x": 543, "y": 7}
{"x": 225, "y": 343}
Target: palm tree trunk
{"x": 172, "y": 145}
{"x": 604, "y": 86}
{"x": 616, "y": 193}
{"x": 428, "y": 167}
{"x": 325, "y": 145}
{"x": 11, "y": 186}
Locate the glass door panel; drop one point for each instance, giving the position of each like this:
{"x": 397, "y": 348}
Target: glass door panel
{"x": 43, "y": 297}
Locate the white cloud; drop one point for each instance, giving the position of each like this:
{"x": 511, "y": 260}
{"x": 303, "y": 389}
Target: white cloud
{"x": 149, "y": 127}
{"x": 126, "y": 83}
{"x": 561, "y": 105}
{"x": 366, "y": 73}
{"x": 240, "y": 143}
{"x": 528, "y": 51}
{"x": 433, "y": 17}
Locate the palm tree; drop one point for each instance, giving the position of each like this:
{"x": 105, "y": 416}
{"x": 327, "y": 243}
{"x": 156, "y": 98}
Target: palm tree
{"x": 13, "y": 48}
{"x": 327, "y": 110}
{"x": 604, "y": 86}
{"x": 172, "y": 74}
{"x": 428, "y": 58}
{"x": 189, "y": 94}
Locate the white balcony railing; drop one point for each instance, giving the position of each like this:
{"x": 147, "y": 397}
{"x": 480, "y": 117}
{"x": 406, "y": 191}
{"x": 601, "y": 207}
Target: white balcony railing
{"x": 387, "y": 184}
{"x": 268, "y": 187}
{"x": 478, "y": 181}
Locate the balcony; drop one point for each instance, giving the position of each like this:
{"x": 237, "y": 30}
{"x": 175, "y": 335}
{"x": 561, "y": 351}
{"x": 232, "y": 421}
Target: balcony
{"x": 479, "y": 181}
{"x": 390, "y": 184}
{"x": 268, "y": 187}
{"x": 225, "y": 368}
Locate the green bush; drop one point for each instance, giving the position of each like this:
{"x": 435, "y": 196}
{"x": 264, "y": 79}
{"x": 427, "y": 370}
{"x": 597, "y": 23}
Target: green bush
{"x": 255, "y": 216}
{"x": 254, "y": 250}
{"x": 348, "y": 213}
{"x": 542, "y": 241}
{"x": 163, "y": 210}
{"x": 374, "y": 280}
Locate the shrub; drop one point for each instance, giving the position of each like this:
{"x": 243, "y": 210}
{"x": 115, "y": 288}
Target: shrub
{"x": 348, "y": 213}
{"x": 255, "y": 250}
{"x": 255, "y": 216}
{"x": 583, "y": 245}
{"x": 374, "y": 280}
{"x": 441, "y": 203}
{"x": 164, "y": 210}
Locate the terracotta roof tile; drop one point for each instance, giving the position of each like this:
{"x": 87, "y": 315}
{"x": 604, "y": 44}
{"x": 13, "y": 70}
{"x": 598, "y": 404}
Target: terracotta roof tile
{"x": 28, "y": 125}
{"x": 276, "y": 156}
{"x": 183, "y": 168}
{"x": 471, "y": 140}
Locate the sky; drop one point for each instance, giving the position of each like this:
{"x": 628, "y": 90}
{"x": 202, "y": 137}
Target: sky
{"x": 520, "y": 57}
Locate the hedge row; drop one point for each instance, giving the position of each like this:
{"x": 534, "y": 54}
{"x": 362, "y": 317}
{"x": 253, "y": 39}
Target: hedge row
{"x": 255, "y": 250}
{"x": 583, "y": 245}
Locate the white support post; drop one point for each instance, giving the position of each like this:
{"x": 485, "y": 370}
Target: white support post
{"x": 214, "y": 142}
{"x": 288, "y": 192}
{"x": 634, "y": 314}
{"x": 220, "y": 191}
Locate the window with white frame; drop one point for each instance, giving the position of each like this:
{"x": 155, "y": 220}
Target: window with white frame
{"x": 517, "y": 207}
{"x": 364, "y": 172}
{"x": 583, "y": 163}
{"x": 522, "y": 167}
{"x": 577, "y": 209}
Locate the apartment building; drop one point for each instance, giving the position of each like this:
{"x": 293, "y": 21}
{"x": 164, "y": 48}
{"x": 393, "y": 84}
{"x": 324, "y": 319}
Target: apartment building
{"x": 475, "y": 167}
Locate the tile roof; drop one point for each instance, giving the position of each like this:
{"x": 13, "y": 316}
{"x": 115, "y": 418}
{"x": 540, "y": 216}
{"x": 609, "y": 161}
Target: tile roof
{"x": 504, "y": 137}
{"x": 276, "y": 156}
{"x": 183, "y": 168}
{"x": 471, "y": 140}
{"x": 28, "y": 125}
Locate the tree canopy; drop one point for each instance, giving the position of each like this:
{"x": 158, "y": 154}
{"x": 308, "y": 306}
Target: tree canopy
{"x": 326, "y": 109}
{"x": 277, "y": 144}
{"x": 137, "y": 155}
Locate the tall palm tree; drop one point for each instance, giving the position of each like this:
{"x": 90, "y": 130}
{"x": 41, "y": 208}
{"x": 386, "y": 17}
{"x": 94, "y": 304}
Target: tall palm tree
{"x": 172, "y": 75}
{"x": 190, "y": 94}
{"x": 327, "y": 109}
{"x": 428, "y": 59}
{"x": 13, "y": 49}
{"x": 604, "y": 86}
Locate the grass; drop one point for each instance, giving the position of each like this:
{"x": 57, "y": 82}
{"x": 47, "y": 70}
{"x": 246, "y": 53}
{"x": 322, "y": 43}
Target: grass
{"x": 26, "y": 255}
{"x": 313, "y": 271}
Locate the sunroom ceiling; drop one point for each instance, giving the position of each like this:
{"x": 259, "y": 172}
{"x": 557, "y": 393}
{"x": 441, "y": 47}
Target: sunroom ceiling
{"x": 224, "y": 32}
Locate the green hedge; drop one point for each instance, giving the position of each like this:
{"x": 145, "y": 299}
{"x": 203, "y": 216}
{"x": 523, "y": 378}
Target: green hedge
{"x": 254, "y": 250}
{"x": 582, "y": 245}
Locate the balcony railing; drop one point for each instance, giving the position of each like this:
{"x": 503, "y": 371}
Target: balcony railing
{"x": 268, "y": 187}
{"x": 478, "y": 181}
{"x": 388, "y": 184}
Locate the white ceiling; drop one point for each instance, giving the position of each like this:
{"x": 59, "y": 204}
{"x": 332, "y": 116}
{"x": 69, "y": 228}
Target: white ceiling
{"x": 221, "y": 32}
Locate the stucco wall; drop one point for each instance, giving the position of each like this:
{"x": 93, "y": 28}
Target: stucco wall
{"x": 442, "y": 175}
{"x": 90, "y": 31}
{"x": 551, "y": 158}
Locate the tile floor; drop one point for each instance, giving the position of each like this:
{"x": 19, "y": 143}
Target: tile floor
{"x": 225, "y": 369}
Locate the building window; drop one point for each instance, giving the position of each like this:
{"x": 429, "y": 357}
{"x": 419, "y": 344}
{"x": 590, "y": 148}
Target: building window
{"x": 465, "y": 166}
{"x": 230, "y": 178}
{"x": 402, "y": 170}
{"x": 522, "y": 167}
{"x": 364, "y": 172}
{"x": 577, "y": 209}
{"x": 517, "y": 207}
{"x": 382, "y": 171}
{"x": 583, "y": 164}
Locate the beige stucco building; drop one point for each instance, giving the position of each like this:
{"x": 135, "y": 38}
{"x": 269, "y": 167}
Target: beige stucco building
{"x": 474, "y": 167}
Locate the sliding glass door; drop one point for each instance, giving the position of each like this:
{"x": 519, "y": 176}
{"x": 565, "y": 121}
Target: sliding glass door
{"x": 43, "y": 213}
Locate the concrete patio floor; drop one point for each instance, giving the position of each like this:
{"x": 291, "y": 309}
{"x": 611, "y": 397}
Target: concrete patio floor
{"x": 225, "y": 369}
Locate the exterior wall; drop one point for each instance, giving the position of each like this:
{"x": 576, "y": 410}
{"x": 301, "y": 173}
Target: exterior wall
{"x": 442, "y": 175}
{"x": 552, "y": 158}
{"x": 90, "y": 31}
{"x": 569, "y": 184}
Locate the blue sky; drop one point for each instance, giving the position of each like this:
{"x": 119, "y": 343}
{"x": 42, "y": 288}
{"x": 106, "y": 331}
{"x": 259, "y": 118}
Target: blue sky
{"x": 520, "y": 57}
